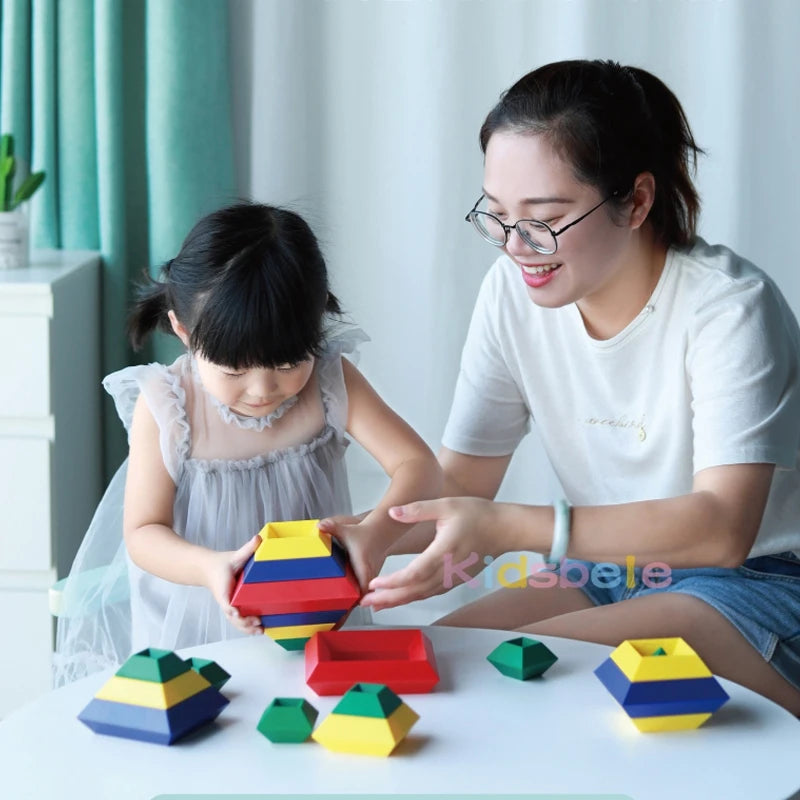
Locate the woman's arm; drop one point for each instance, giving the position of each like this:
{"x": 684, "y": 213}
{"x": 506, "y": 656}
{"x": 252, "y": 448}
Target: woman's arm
{"x": 148, "y": 517}
{"x": 714, "y": 525}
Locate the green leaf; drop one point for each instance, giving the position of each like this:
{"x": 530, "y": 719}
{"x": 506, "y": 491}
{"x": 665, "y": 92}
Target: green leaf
{"x": 28, "y": 187}
{"x": 6, "y": 146}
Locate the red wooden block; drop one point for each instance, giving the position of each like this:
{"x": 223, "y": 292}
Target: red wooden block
{"x": 292, "y": 597}
{"x": 401, "y": 659}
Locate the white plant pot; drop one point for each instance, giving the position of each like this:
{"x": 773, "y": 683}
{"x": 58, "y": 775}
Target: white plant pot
{"x": 14, "y": 240}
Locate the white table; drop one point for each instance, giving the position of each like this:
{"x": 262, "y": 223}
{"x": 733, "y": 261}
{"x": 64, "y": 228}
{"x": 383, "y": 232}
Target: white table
{"x": 479, "y": 732}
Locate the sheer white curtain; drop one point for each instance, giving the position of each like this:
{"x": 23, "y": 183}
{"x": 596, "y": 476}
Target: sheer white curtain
{"x": 365, "y": 117}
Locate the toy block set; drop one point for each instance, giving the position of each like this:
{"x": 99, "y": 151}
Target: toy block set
{"x": 370, "y": 719}
{"x": 288, "y": 720}
{"x": 156, "y": 696}
{"x": 522, "y": 658}
{"x": 662, "y": 684}
{"x": 299, "y": 581}
{"x": 401, "y": 659}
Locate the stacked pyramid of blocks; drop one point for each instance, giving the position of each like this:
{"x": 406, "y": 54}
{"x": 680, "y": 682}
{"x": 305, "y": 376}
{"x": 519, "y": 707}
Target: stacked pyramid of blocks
{"x": 370, "y": 719}
{"x": 156, "y": 696}
{"x": 662, "y": 684}
{"x": 299, "y": 581}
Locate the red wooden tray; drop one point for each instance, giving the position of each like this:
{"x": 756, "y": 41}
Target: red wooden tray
{"x": 401, "y": 659}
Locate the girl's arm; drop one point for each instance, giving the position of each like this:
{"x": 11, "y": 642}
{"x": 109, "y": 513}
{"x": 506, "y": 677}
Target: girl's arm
{"x": 714, "y": 525}
{"x": 405, "y": 458}
{"x": 148, "y": 517}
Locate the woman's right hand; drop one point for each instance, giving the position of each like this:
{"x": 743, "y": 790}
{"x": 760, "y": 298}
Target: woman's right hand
{"x": 222, "y": 571}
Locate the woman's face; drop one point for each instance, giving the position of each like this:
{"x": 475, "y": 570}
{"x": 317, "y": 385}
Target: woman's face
{"x": 524, "y": 178}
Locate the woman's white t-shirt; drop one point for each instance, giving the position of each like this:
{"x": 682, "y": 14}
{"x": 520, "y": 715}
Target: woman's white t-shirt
{"x": 707, "y": 374}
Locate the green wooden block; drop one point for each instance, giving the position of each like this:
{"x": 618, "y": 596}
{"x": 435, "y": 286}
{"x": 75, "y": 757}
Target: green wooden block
{"x": 660, "y": 652}
{"x": 292, "y": 644}
{"x": 368, "y": 700}
{"x": 522, "y": 658}
{"x": 154, "y": 665}
{"x": 210, "y": 670}
{"x": 288, "y": 720}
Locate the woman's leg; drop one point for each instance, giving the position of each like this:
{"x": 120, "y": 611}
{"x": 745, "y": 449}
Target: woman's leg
{"x": 726, "y": 652}
{"x": 508, "y": 609}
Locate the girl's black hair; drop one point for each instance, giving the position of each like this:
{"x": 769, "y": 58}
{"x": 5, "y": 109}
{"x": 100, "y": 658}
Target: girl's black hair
{"x": 610, "y": 123}
{"x": 249, "y": 285}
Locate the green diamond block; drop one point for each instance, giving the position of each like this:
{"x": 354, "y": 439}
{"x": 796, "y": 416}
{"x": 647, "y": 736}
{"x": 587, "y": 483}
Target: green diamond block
{"x": 288, "y": 720}
{"x": 522, "y": 658}
{"x": 368, "y": 700}
{"x": 154, "y": 665}
{"x": 210, "y": 670}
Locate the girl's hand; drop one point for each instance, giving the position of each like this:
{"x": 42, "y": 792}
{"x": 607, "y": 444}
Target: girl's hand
{"x": 465, "y": 534}
{"x": 362, "y": 540}
{"x": 221, "y": 577}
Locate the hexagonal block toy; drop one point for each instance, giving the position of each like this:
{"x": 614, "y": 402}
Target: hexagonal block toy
{"x": 299, "y": 581}
{"x": 522, "y": 658}
{"x": 155, "y": 696}
{"x": 662, "y": 684}
{"x": 288, "y": 720}
{"x": 370, "y": 719}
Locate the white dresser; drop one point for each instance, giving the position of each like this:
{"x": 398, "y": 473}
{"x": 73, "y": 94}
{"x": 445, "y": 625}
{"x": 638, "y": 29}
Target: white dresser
{"x": 50, "y": 478}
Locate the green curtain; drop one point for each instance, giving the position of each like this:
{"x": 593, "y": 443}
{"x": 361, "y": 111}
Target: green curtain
{"x": 126, "y": 105}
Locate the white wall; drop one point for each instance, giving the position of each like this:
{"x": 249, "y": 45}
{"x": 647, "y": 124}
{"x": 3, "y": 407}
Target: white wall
{"x": 364, "y": 116}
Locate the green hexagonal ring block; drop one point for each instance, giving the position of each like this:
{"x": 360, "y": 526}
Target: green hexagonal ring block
{"x": 288, "y": 720}
{"x": 210, "y": 670}
{"x": 522, "y": 658}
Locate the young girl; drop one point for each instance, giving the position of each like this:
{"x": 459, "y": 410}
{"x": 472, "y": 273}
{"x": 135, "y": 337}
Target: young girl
{"x": 247, "y": 427}
{"x": 664, "y": 378}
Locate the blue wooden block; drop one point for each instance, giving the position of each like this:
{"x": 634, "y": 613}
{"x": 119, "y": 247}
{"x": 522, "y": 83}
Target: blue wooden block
{"x": 659, "y": 698}
{"x": 297, "y": 569}
{"x": 302, "y": 618}
{"x": 162, "y": 726}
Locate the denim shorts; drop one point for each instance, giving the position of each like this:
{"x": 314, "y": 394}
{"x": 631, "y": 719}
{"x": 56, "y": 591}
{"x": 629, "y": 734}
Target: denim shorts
{"x": 761, "y": 599}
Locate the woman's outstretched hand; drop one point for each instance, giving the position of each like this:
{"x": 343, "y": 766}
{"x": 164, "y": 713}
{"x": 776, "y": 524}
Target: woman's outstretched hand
{"x": 465, "y": 534}
{"x": 221, "y": 575}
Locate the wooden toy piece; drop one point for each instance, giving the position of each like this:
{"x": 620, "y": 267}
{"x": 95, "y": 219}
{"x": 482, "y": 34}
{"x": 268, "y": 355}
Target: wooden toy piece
{"x": 292, "y": 644}
{"x": 660, "y": 652}
{"x": 348, "y": 730}
{"x": 288, "y": 720}
{"x": 162, "y": 726}
{"x": 663, "y": 703}
{"x": 210, "y": 670}
{"x": 296, "y": 569}
{"x": 294, "y": 539}
{"x": 303, "y": 618}
{"x": 297, "y": 631}
{"x": 287, "y": 597}
{"x": 166, "y": 701}
{"x": 522, "y": 658}
{"x": 401, "y": 659}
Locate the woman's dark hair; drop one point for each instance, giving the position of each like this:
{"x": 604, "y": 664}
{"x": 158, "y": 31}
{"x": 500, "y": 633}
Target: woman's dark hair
{"x": 249, "y": 285}
{"x": 610, "y": 123}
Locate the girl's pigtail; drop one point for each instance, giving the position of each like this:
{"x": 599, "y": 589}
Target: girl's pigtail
{"x": 149, "y": 311}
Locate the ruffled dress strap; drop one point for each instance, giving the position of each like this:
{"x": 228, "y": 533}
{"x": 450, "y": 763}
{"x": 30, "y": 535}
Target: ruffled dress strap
{"x": 164, "y": 393}
{"x": 340, "y": 339}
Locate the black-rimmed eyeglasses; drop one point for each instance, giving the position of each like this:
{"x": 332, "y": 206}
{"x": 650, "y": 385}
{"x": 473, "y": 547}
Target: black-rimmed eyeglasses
{"x": 536, "y": 234}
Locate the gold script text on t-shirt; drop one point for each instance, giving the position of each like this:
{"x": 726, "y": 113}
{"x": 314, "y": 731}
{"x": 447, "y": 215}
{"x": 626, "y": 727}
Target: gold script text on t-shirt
{"x": 621, "y": 422}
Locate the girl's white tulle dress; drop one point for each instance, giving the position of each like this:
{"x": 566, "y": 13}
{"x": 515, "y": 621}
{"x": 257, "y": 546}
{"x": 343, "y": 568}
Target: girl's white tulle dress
{"x": 232, "y": 474}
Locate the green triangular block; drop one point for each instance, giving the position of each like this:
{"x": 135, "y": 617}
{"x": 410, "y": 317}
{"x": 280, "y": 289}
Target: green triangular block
{"x": 522, "y": 658}
{"x": 660, "y": 652}
{"x": 368, "y": 700}
{"x": 292, "y": 644}
{"x": 157, "y": 666}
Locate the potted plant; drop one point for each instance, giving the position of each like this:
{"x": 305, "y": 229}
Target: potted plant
{"x": 13, "y": 223}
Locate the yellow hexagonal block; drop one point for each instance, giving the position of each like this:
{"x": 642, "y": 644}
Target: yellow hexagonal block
{"x": 672, "y": 722}
{"x": 372, "y": 736}
{"x": 295, "y": 539}
{"x": 151, "y": 694}
{"x": 298, "y": 631}
{"x": 636, "y": 660}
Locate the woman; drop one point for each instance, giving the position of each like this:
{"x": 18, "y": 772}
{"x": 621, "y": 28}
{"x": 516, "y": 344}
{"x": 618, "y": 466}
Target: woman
{"x": 663, "y": 375}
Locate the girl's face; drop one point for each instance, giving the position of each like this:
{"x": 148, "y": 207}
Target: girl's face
{"x": 524, "y": 178}
{"x": 253, "y": 392}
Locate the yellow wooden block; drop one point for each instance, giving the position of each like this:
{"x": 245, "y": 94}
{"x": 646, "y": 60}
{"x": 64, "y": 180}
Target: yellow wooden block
{"x": 371, "y": 736}
{"x": 636, "y": 660}
{"x": 298, "y": 631}
{"x": 296, "y": 539}
{"x": 151, "y": 694}
{"x": 672, "y": 722}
